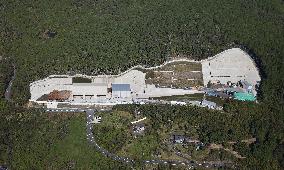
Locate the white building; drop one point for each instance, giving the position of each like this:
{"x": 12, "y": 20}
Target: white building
{"x": 88, "y": 91}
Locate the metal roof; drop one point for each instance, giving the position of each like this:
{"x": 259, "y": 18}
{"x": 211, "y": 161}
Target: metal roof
{"x": 120, "y": 87}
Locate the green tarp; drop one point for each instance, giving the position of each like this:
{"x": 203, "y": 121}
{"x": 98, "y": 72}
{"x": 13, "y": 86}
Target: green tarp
{"x": 244, "y": 96}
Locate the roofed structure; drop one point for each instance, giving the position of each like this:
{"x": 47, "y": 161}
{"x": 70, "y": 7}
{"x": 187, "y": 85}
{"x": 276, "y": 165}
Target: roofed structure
{"x": 120, "y": 87}
{"x": 121, "y": 90}
{"x": 94, "y": 89}
{"x": 138, "y": 128}
{"x": 178, "y": 139}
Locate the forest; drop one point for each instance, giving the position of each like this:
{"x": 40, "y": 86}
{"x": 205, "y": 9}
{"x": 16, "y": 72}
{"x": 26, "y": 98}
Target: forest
{"x": 107, "y": 37}
{"x": 32, "y": 139}
{"x": 6, "y": 73}
{"x": 238, "y": 121}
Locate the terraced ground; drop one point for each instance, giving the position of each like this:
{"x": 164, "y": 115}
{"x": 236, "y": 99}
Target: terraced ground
{"x": 179, "y": 74}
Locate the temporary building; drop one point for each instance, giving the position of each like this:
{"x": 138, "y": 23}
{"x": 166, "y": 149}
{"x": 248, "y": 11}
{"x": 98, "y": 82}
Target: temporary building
{"x": 121, "y": 90}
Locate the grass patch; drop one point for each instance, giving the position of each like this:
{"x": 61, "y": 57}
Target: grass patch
{"x": 141, "y": 148}
{"x": 81, "y": 80}
{"x": 117, "y": 119}
{"x": 219, "y": 101}
{"x": 114, "y": 130}
{"x": 166, "y": 155}
{"x": 191, "y": 97}
{"x": 115, "y": 134}
{"x": 200, "y": 154}
{"x": 181, "y": 66}
{"x": 75, "y": 152}
{"x": 177, "y": 74}
{"x": 55, "y": 141}
{"x": 197, "y": 96}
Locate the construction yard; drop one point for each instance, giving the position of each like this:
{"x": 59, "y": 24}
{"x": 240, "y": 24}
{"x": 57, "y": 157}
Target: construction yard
{"x": 231, "y": 65}
{"x": 102, "y": 90}
{"x": 231, "y": 73}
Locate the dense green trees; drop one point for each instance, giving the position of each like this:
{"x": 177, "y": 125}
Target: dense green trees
{"x": 239, "y": 121}
{"x": 247, "y": 120}
{"x": 81, "y": 80}
{"x": 22, "y": 132}
{"x": 6, "y": 72}
{"x": 31, "y": 139}
{"x": 111, "y": 138}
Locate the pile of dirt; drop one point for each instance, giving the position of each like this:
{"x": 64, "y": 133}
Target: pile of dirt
{"x": 59, "y": 95}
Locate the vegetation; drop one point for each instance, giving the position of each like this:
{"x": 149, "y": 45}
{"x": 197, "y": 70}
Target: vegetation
{"x": 81, "y": 80}
{"x": 6, "y": 73}
{"x": 176, "y": 74}
{"x": 194, "y": 97}
{"x": 30, "y": 139}
{"x": 112, "y": 133}
{"x": 115, "y": 134}
{"x": 239, "y": 121}
{"x": 229, "y": 130}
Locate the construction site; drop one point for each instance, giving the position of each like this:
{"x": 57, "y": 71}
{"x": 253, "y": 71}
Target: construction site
{"x": 230, "y": 74}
